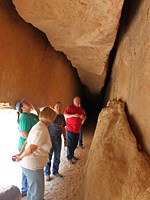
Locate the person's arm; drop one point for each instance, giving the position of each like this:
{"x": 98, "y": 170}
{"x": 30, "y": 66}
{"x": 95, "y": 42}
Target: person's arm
{"x": 26, "y": 152}
{"x": 64, "y": 135}
{"x": 71, "y": 115}
{"x": 23, "y": 148}
{"x": 52, "y": 108}
{"x": 83, "y": 117}
{"x": 24, "y": 134}
{"x": 68, "y": 113}
{"x": 35, "y": 107}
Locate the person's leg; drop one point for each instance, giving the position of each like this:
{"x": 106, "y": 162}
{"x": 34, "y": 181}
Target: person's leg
{"x": 57, "y": 151}
{"x": 24, "y": 184}
{"x": 36, "y": 184}
{"x": 80, "y": 138}
{"x": 70, "y": 144}
{"x": 47, "y": 170}
{"x": 76, "y": 139}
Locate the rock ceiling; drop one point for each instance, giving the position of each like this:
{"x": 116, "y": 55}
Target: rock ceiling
{"x": 84, "y": 30}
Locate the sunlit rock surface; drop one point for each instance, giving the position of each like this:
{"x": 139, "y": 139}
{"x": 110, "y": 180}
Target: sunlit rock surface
{"x": 115, "y": 169}
{"x": 84, "y": 30}
{"x": 130, "y": 80}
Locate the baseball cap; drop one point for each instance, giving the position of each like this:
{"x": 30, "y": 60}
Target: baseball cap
{"x": 18, "y": 105}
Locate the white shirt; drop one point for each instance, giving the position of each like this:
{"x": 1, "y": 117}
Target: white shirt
{"x": 39, "y": 136}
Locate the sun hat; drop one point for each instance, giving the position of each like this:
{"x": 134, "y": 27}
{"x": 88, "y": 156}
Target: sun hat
{"x": 18, "y": 105}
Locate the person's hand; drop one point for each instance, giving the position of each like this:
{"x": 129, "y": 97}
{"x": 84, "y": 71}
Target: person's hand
{"x": 35, "y": 107}
{"x": 65, "y": 143}
{"x": 52, "y": 108}
{"x": 82, "y": 117}
{"x": 16, "y": 158}
{"x": 76, "y": 115}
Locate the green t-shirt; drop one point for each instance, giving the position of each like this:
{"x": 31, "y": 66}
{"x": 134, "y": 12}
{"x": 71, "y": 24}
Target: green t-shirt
{"x": 26, "y": 122}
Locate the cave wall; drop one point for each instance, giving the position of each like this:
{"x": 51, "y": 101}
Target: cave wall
{"x": 30, "y": 67}
{"x": 130, "y": 79}
{"x": 116, "y": 167}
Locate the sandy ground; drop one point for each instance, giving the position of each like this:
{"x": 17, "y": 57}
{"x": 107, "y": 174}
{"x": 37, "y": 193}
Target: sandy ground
{"x": 70, "y": 187}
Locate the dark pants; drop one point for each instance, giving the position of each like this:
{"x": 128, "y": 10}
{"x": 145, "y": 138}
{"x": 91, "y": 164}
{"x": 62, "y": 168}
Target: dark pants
{"x": 80, "y": 138}
{"x": 56, "y": 149}
{"x": 72, "y": 142}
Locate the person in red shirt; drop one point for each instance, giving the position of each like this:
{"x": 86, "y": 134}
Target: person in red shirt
{"x": 75, "y": 116}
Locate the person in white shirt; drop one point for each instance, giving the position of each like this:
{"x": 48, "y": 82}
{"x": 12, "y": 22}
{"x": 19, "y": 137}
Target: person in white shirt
{"x": 34, "y": 154}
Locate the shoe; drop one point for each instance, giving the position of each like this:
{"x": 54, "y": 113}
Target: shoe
{"x": 81, "y": 146}
{"x": 48, "y": 178}
{"x": 75, "y": 158}
{"x": 58, "y": 175}
{"x": 23, "y": 194}
{"x": 71, "y": 162}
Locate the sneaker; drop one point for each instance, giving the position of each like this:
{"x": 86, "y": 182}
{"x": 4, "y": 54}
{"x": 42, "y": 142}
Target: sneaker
{"x": 58, "y": 175}
{"x": 81, "y": 146}
{"x": 71, "y": 161}
{"x": 48, "y": 178}
{"x": 75, "y": 158}
{"x": 23, "y": 194}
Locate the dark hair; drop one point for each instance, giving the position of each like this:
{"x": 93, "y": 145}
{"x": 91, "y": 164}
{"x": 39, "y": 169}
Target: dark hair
{"x": 11, "y": 193}
{"x": 58, "y": 102}
{"x": 19, "y": 112}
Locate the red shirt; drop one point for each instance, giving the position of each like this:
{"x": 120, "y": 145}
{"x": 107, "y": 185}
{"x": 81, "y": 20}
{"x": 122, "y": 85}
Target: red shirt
{"x": 73, "y": 124}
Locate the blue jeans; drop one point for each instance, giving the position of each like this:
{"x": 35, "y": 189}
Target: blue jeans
{"x": 36, "y": 185}
{"x": 72, "y": 142}
{"x": 24, "y": 182}
{"x": 56, "y": 149}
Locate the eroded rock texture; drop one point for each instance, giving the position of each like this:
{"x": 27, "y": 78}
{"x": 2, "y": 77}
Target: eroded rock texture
{"x": 130, "y": 80}
{"x": 84, "y": 30}
{"x": 115, "y": 169}
{"x": 29, "y": 67}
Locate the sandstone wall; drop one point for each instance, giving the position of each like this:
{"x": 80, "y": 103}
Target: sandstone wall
{"x": 29, "y": 67}
{"x": 115, "y": 169}
{"x": 130, "y": 80}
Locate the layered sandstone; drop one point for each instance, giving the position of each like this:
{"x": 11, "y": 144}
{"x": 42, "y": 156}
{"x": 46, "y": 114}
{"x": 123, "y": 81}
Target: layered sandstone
{"x": 84, "y": 30}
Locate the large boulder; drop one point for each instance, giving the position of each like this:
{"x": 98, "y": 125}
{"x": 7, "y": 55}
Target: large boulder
{"x": 115, "y": 168}
{"x": 84, "y": 30}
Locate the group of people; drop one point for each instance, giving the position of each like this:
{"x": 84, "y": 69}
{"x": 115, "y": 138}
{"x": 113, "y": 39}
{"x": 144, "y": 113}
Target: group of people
{"x": 40, "y": 137}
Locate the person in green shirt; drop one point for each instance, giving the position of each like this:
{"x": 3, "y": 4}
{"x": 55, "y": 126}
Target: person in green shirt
{"x": 26, "y": 120}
